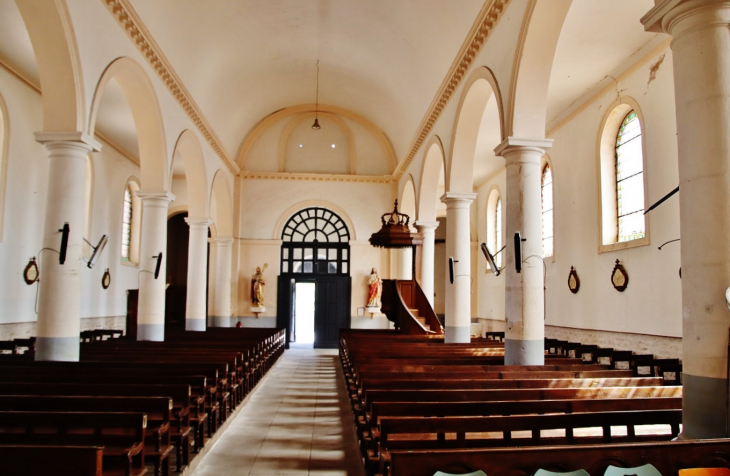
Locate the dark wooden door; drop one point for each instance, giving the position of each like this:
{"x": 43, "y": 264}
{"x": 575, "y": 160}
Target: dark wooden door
{"x": 132, "y": 302}
{"x": 285, "y": 304}
{"x": 331, "y": 310}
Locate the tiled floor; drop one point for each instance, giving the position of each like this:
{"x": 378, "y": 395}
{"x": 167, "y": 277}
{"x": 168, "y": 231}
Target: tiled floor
{"x": 297, "y": 422}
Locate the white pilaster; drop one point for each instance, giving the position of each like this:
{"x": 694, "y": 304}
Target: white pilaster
{"x": 701, "y": 57}
{"x": 222, "y": 284}
{"x": 59, "y": 297}
{"x": 525, "y": 291}
{"x": 428, "y": 230}
{"x": 151, "y": 306}
{"x": 458, "y": 246}
{"x": 195, "y": 304}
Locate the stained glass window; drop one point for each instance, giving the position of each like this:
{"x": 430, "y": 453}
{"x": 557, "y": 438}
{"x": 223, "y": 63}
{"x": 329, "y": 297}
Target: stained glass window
{"x": 547, "y": 211}
{"x": 498, "y": 231}
{"x": 630, "y": 180}
{"x": 127, "y": 223}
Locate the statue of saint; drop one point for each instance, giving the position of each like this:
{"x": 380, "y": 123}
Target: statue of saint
{"x": 375, "y": 289}
{"x": 257, "y": 288}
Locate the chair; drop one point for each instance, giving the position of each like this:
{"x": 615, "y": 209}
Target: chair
{"x": 577, "y": 472}
{"x": 704, "y": 472}
{"x": 473, "y": 473}
{"x": 645, "y": 470}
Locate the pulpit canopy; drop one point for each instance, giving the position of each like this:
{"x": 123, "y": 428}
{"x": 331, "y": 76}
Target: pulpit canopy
{"x": 395, "y": 232}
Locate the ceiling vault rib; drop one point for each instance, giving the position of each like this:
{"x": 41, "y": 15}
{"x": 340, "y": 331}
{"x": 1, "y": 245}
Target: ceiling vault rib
{"x": 483, "y": 25}
{"x": 128, "y": 19}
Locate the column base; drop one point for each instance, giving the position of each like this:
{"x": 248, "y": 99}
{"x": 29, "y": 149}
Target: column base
{"x": 65, "y": 349}
{"x": 704, "y": 407}
{"x": 524, "y": 352}
{"x": 152, "y": 332}
{"x": 457, "y": 335}
{"x": 220, "y": 321}
{"x": 197, "y": 325}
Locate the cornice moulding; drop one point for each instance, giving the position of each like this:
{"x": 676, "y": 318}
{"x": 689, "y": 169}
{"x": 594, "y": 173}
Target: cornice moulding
{"x": 386, "y": 179}
{"x": 128, "y": 19}
{"x": 484, "y": 24}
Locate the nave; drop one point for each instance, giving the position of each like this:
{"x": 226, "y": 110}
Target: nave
{"x": 297, "y": 422}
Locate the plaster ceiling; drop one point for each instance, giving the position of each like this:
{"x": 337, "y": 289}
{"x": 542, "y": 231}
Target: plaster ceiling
{"x": 244, "y": 59}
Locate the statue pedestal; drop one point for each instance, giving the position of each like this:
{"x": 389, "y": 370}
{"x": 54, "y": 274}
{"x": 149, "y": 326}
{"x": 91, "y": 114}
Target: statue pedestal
{"x": 372, "y": 311}
{"x": 257, "y": 310}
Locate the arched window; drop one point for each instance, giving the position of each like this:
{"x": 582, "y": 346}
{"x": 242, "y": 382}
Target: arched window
{"x": 547, "y": 211}
{"x": 621, "y": 167}
{"x": 629, "y": 180}
{"x": 315, "y": 240}
{"x": 127, "y": 223}
{"x": 498, "y": 231}
{"x": 131, "y": 223}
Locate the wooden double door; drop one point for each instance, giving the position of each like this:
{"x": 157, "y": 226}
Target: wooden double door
{"x": 331, "y": 306}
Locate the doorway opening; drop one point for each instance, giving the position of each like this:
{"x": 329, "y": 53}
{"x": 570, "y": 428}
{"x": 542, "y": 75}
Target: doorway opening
{"x": 304, "y": 313}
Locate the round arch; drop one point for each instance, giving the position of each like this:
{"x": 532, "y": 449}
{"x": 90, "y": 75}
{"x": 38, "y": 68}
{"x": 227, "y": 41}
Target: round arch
{"x": 140, "y": 94}
{"x": 433, "y": 168}
{"x": 4, "y": 147}
{"x": 189, "y": 150}
{"x": 312, "y": 204}
{"x": 479, "y": 88}
{"x": 533, "y": 64}
{"x": 221, "y": 210}
{"x": 407, "y": 200}
{"x": 54, "y": 45}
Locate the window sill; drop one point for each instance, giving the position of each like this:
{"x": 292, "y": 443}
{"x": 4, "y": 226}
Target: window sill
{"x": 624, "y": 245}
{"x": 131, "y": 264}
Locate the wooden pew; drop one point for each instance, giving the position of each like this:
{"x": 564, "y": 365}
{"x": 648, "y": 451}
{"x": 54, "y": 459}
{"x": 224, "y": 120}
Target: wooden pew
{"x": 53, "y": 460}
{"x": 121, "y": 434}
{"x": 157, "y": 409}
{"x": 667, "y": 457}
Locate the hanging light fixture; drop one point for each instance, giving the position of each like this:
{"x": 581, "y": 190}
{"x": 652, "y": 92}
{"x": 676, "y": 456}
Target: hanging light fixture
{"x": 316, "y": 125}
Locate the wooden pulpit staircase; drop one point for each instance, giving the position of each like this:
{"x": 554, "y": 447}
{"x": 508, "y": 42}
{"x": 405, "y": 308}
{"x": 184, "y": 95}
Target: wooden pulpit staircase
{"x": 403, "y": 300}
{"x": 405, "y": 304}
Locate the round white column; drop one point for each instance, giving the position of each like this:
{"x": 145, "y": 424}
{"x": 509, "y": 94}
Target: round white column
{"x": 525, "y": 291}
{"x": 151, "y": 306}
{"x": 405, "y": 263}
{"x": 458, "y": 246}
{"x": 196, "y": 301}
{"x": 59, "y": 299}
{"x": 701, "y": 57}
{"x": 222, "y": 283}
{"x": 428, "y": 230}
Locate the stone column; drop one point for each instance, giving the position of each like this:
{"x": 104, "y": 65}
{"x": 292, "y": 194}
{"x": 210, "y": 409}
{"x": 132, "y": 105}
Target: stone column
{"x": 458, "y": 246}
{"x": 222, "y": 284}
{"x": 405, "y": 263}
{"x": 196, "y": 301}
{"x": 428, "y": 230}
{"x": 59, "y": 299}
{"x": 151, "y": 306}
{"x": 525, "y": 291}
{"x": 701, "y": 57}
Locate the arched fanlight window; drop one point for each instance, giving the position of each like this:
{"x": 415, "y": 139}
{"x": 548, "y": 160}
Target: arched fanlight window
{"x": 127, "y": 223}
{"x": 498, "y": 231}
{"x": 547, "y": 211}
{"x": 630, "y": 180}
{"x": 315, "y": 240}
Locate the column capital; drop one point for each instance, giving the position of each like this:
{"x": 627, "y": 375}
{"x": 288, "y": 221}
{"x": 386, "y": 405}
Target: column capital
{"x": 149, "y": 196}
{"x": 522, "y": 144}
{"x": 220, "y": 241}
{"x": 458, "y": 197}
{"x": 197, "y": 223}
{"x": 668, "y": 14}
{"x": 426, "y": 226}
{"x": 77, "y": 139}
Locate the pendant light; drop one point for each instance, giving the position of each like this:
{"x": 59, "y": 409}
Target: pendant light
{"x": 316, "y": 125}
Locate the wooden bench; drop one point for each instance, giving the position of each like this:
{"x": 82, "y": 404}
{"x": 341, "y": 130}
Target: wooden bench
{"x": 667, "y": 457}
{"x": 53, "y": 460}
{"x": 121, "y": 434}
{"x": 157, "y": 409}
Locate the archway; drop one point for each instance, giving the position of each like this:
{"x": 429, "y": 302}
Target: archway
{"x": 221, "y": 252}
{"x": 316, "y": 249}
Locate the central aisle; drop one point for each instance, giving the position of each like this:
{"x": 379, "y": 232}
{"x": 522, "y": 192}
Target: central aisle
{"x": 297, "y": 422}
